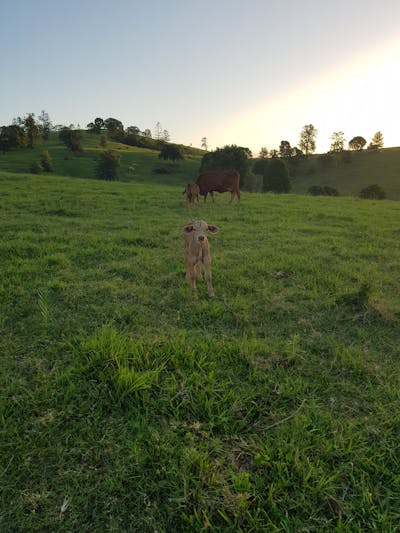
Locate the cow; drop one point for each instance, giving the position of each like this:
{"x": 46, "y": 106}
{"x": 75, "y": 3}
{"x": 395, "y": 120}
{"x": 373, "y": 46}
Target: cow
{"x": 219, "y": 181}
{"x": 197, "y": 251}
{"x": 192, "y": 192}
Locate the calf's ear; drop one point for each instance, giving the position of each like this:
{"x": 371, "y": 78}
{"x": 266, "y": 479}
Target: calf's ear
{"x": 213, "y": 229}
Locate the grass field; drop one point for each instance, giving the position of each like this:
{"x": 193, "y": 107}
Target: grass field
{"x": 82, "y": 165}
{"x": 381, "y": 167}
{"x": 130, "y": 403}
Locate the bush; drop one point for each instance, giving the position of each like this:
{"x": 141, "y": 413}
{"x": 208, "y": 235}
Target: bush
{"x": 172, "y": 152}
{"x": 326, "y": 190}
{"x": 36, "y": 168}
{"x": 45, "y": 161}
{"x": 107, "y": 165}
{"x": 373, "y": 192}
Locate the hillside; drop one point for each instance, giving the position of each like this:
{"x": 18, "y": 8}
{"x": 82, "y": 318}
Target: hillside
{"x": 130, "y": 403}
{"x": 66, "y": 163}
{"x": 348, "y": 173}
{"x": 351, "y": 172}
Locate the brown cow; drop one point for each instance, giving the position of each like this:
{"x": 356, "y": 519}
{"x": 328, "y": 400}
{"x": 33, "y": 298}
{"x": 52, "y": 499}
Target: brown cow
{"x": 192, "y": 192}
{"x": 197, "y": 250}
{"x": 219, "y": 181}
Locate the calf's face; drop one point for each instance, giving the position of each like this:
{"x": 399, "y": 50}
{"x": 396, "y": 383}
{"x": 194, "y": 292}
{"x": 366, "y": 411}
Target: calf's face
{"x": 199, "y": 229}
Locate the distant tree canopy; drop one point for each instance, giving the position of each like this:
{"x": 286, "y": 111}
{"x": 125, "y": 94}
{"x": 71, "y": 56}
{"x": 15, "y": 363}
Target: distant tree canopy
{"x": 12, "y": 138}
{"x": 107, "y": 165}
{"x": 113, "y": 126}
{"x": 307, "y": 142}
{"x": 376, "y": 141}
{"x": 96, "y": 126}
{"x": 230, "y": 157}
{"x": 72, "y": 139}
{"x": 46, "y": 124}
{"x": 171, "y": 152}
{"x": 285, "y": 150}
{"x": 338, "y": 141}
{"x": 33, "y": 131}
{"x": 357, "y": 143}
{"x": 276, "y": 176}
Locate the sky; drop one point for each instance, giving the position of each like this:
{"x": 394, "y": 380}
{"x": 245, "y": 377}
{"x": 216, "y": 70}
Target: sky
{"x": 245, "y": 72}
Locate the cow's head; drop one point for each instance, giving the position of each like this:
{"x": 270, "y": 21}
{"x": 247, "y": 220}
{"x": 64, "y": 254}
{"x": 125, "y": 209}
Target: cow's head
{"x": 199, "y": 229}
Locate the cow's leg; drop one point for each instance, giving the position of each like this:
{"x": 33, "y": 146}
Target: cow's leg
{"x": 207, "y": 273}
{"x": 198, "y": 271}
{"x": 212, "y": 195}
{"x": 191, "y": 275}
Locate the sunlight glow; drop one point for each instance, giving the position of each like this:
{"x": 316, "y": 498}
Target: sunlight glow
{"x": 358, "y": 98}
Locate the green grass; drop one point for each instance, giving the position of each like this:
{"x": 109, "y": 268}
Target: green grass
{"x": 366, "y": 168}
{"x": 66, "y": 163}
{"x": 130, "y": 403}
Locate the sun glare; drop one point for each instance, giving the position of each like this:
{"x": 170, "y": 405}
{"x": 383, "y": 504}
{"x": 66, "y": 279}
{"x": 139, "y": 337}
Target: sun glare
{"x": 358, "y": 98}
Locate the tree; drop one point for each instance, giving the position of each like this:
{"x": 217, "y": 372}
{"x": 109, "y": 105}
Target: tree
{"x": 376, "y": 141}
{"x": 373, "y": 192}
{"x": 204, "y": 143}
{"x": 276, "y": 177}
{"x": 357, "y": 143}
{"x": 260, "y": 166}
{"x": 263, "y": 152}
{"x": 97, "y": 126}
{"x": 307, "y": 139}
{"x": 72, "y": 139}
{"x": 107, "y": 165}
{"x": 166, "y": 137}
{"x": 147, "y": 133}
{"x": 32, "y": 130}
{"x": 173, "y": 152}
{"x": 12, "y": 137}
{"x": 230, "y": 157}
{"x": 285, "y": 150}
{"x": 338, "y": 141}
{"x": 114, "y": 126}
{"x": 158, "y": 131}
{"x": 46, "y": 125}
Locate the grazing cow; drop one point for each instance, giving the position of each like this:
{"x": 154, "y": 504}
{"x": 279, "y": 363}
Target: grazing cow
{"x": 197, "y": 250}
{"x": 192, "y": 192}
{"x": 219, "y": 181}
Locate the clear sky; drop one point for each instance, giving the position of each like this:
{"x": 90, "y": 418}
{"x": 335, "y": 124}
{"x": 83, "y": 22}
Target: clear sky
{"x": 249, "y": 72}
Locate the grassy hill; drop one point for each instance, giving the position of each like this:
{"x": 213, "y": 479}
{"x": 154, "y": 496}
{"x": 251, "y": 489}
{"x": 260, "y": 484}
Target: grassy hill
{"x": 348, "y": 172}
{"x": 351, "y": 172}
{"x": 130, "y": 403}
{"x": 83, "y": 166}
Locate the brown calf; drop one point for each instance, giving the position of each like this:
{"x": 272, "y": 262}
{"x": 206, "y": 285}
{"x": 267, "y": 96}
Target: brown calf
{"x": 192, "y": 192}
{"x": 197, "y": 250}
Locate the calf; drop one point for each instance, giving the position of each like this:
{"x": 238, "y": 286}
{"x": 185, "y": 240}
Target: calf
{"x": 192, "y": 192}
{"x": 197, "y": 250}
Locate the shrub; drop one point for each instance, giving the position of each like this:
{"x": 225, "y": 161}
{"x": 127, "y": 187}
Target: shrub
{"x": 36, "y": 167}
{"x": 373, "y": 192}
{"x": 45, "y": 161}
{"x": 326, "y": 190}
{"x": 107, "y": 165}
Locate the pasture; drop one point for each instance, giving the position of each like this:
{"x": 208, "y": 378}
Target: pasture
{"x": 131, "y": 403}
